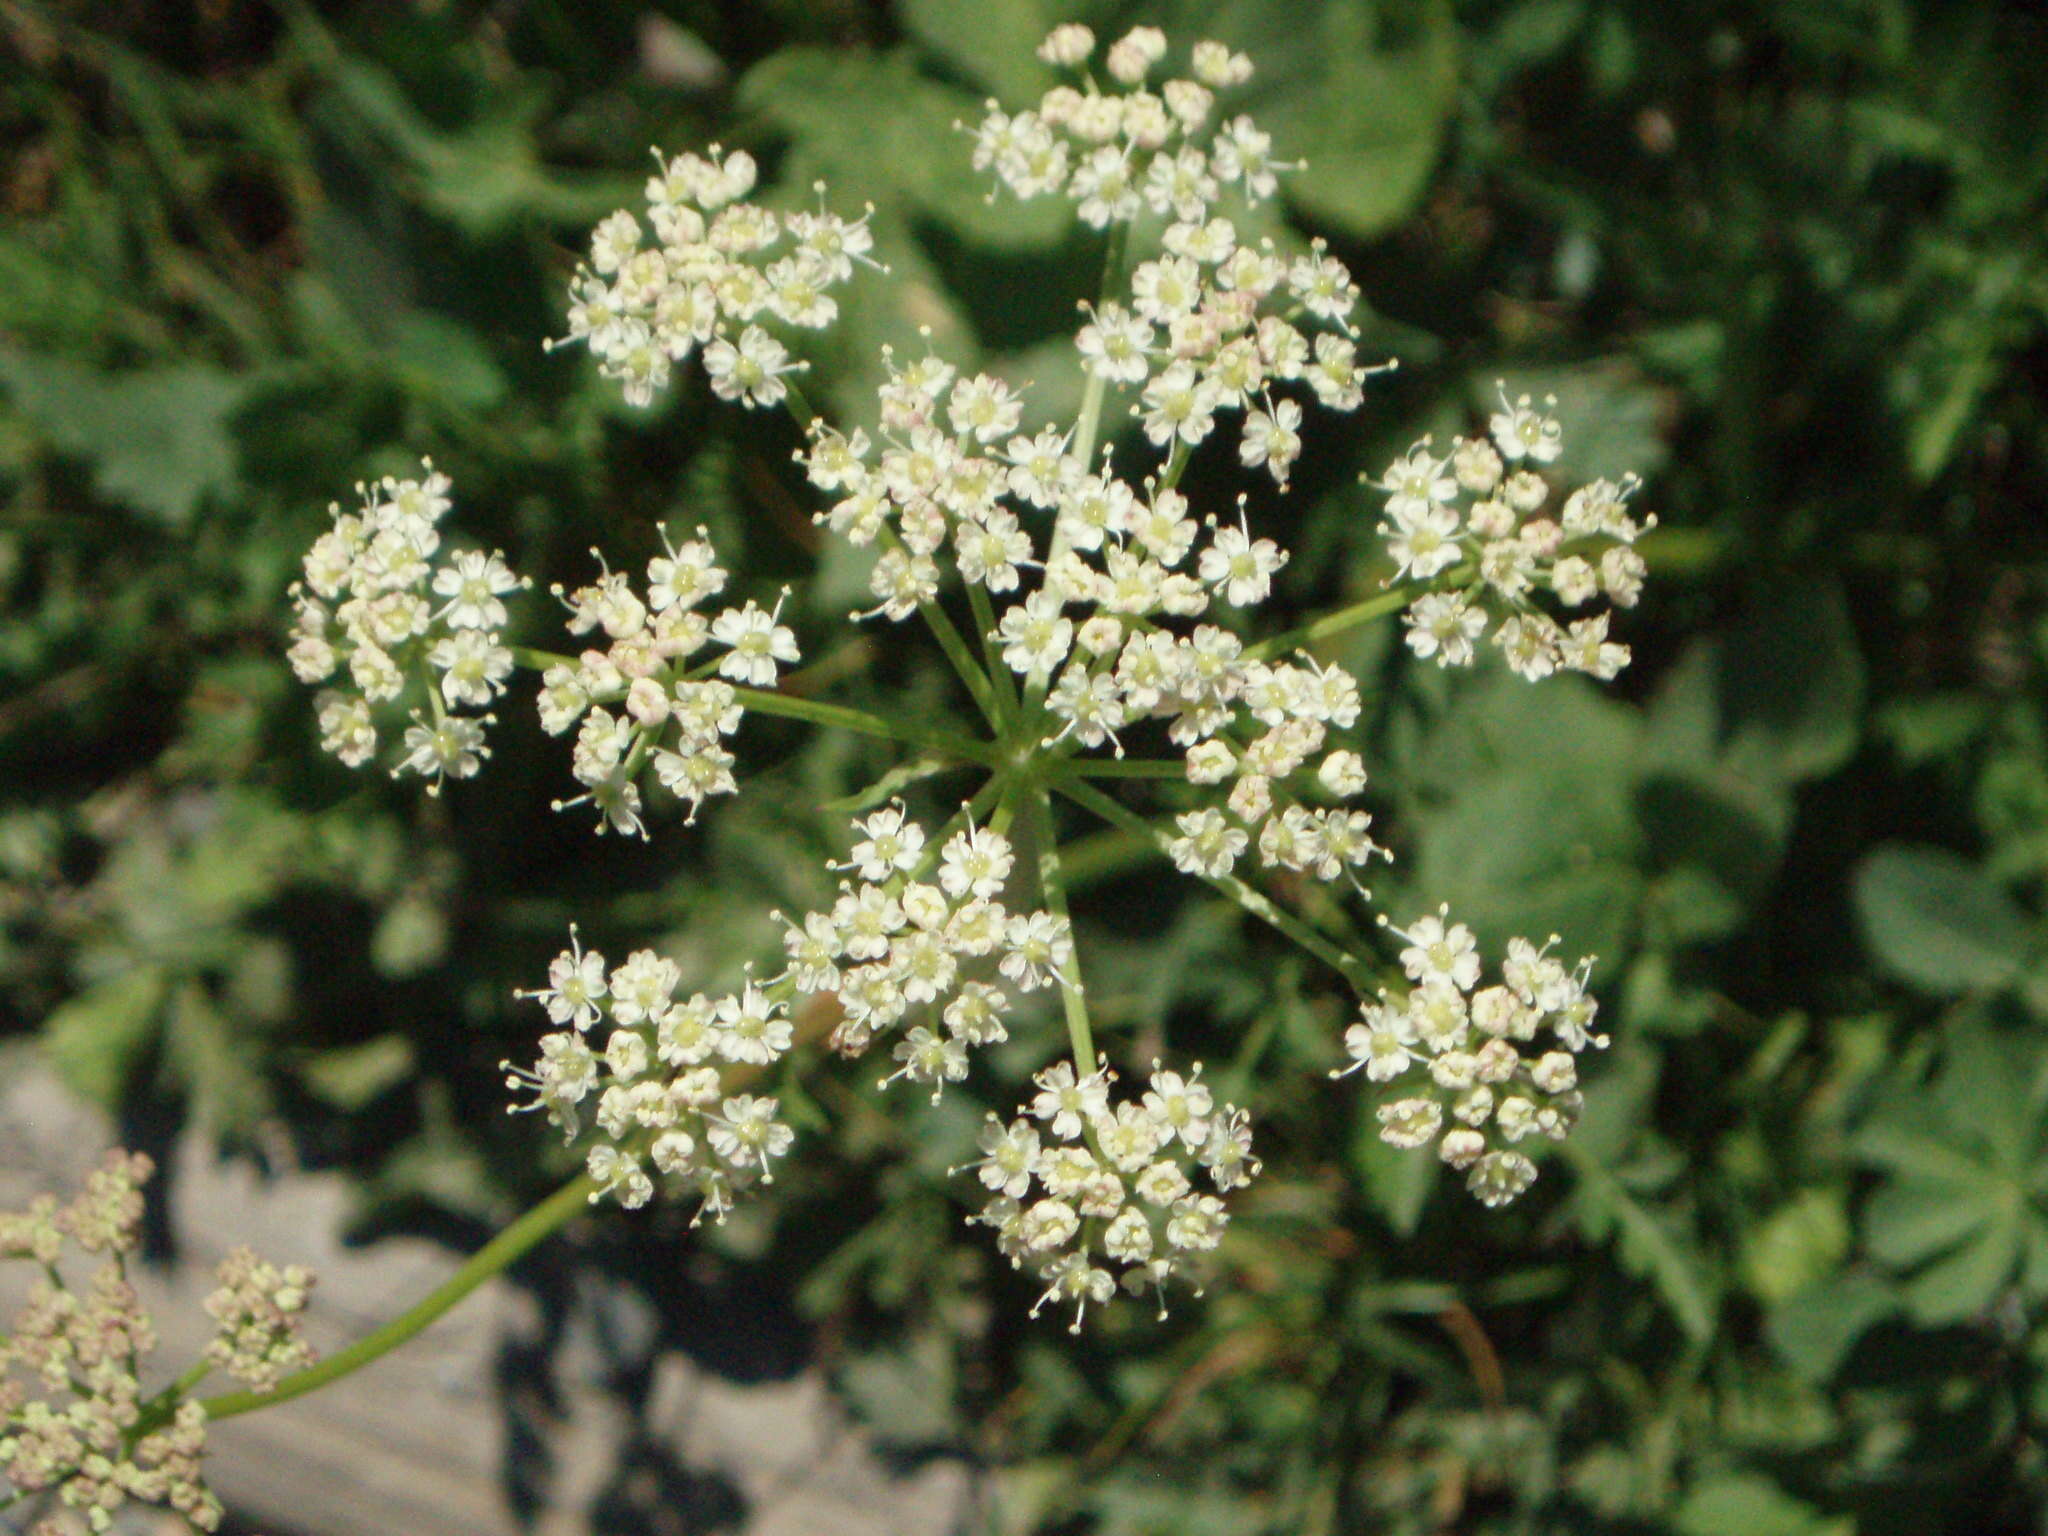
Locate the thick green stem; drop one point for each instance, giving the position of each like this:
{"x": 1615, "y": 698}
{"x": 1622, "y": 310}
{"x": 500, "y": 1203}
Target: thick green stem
{"x": 502, "y": 1251}
{"x": 1255, "y": 902}
{"x": 1079, "y": 1035}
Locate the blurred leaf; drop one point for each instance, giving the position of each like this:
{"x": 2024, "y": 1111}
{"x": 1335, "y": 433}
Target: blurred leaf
{"x": 157, "y": 439}
{"x": 1967, "y": 1166}
{"x": 1815, "y": 1329}
{"x": 98, "y": 1038}
{"x": 1797, "y": 1245}
{"x": 1754, "y": 1506}
{"x": 434, "y": 354}
{"x": 223, "y": 1076}
{"x": 870, "y": 122}
{"x": 1650, "y": 1243}
{"x": 1790, "y": 683}
{"x": 1367, "y": 105}
{"x": 905, "y": 1396}
{"x": 411, "y": 936}
{"x": 351, "y": 1076}
{"x": 995, "y": 42}
{"x": 1934, "y": 920}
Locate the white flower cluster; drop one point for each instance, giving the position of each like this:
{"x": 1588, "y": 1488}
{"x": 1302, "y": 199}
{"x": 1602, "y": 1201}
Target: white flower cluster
{"x": 661, "y": 1102}
{"x": 1115, "y": 154}
{"x": 1208, "y": 325}
{"x": 717, "y": 265}
{"x": 1095, "y": 1184}
{"x": 1128, "y": 562}
{"x": 638, "y": 702}
{"x": 1480, "y": 515}
{"x": 1488, "y": 1076}
{"x": 902, "y": 936}
{"x": 382, "y": 602}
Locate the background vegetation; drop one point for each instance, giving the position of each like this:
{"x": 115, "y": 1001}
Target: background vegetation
{"x": 1788, "y": 260}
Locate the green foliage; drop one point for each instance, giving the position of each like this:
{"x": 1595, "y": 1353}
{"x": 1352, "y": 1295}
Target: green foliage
{"x": 1786, "y": 260}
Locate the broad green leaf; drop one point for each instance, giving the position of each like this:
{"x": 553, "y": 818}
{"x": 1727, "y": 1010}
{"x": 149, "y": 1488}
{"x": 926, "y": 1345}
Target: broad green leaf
{"x": 1932, "y": 919}
{"x": 1753, "y": 1505}
{"x": 157, "y": 439}
{"x": 1365, "y": 105}
{"x": 1791, "y": 684}
{"x": 349, "y": 1077}
{"x": 1814, "y": 1330}
{"x": 872, "y": 122}
{"x": 1796, "y": 1245}
{"x": 1964, "y": 1155}
{"x": 99, "y": 1038}
{"x": 994, "y": 42}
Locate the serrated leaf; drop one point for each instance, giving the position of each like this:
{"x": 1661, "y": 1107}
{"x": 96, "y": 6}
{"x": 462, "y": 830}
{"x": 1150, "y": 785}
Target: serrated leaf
{"x": 1647, "y": 1244}
{"x": 1961, "y": 1205}
{"x": 1933, "y": 919}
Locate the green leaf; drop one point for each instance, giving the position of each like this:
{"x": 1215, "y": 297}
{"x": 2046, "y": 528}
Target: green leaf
{"x": 1814, "y": 1330}
{"x": 1932, "y": 919}
{"x": 351, "y": 1076}
{"x": 1649, "y": 1243}
{"x": 1791, "y": 682}
{"x": 1964, "y": 1156}
{"x": 1524, "y": 814}
{"x": 99, "y": 1038}
{"x": 871, "y": 121}
{"x": 994, "y": 42}
{"x": 201, "y": 1046}
{"x": 157, "y": 439}
{"x": 432, "y": 353}
{"x": 1365, "y": 105}
{"x": 904, "y": 1395}
{"x": 1754, "y": 1506}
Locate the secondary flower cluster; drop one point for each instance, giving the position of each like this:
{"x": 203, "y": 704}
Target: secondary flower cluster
{"x": 901, "y": 936}
{"x": 661, "y": 1100}
{"x": 717, "y": 265}
{"x": 83, "y": 1349}
{"x": 1496, "y": 1064}
{"x": 1479, "y": 514}
{"x": 1096, "y": 1183}
{"x": 637, "y": 704}
{"x": 381, "y": 603}
{"x": 1116, "y": 154}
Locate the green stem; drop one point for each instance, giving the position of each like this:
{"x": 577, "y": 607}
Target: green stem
{"x": 1332, "y": 624}
{"x": 510, "y": 1245}
{"x": 1319, "y": 944}
{"x": 954, "y": 644}
{"x": 1005, "y": 685}
{"x": 817, "y": 712}
{"x": 1120, "y": 768}
{"x": 1079, "y": 1035}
